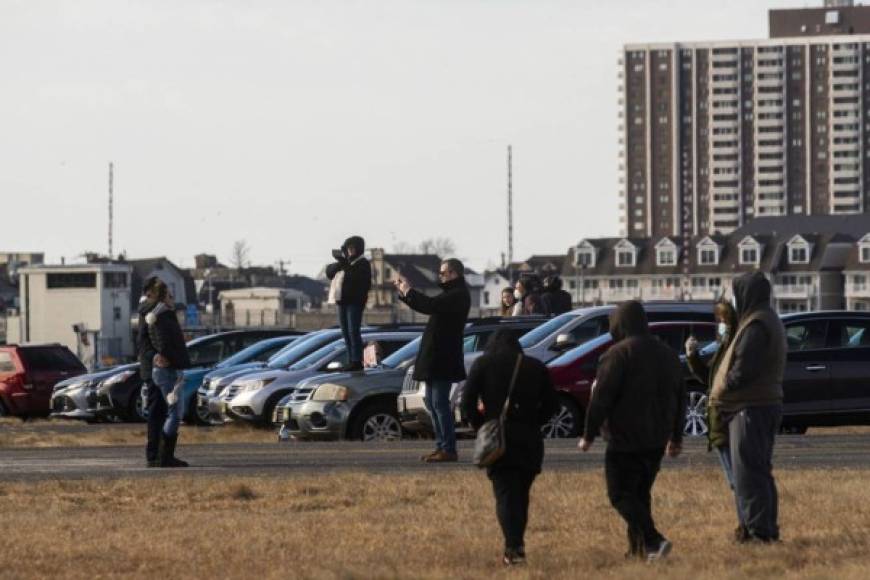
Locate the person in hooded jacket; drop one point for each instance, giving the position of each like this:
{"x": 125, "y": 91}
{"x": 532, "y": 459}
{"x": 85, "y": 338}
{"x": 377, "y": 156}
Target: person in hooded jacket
{"x": 170, "y": 360}
{"x": 704, "y": 369}
{"x": 555, "y": 300}
{"x": 441, "y": 360}
{"x": 640, "y": 395}
{"x": 146, "y": 352}
{"x": 532, "y": 403}
{"x": 747, "y": 395}
{"x": 351, "y": 274}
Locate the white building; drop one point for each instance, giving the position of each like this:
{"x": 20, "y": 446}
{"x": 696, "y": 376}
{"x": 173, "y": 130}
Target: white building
{"x": 96, "y": 297}
{"x": 261, "y": 306}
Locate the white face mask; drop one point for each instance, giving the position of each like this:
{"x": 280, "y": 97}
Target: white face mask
{"x": 722, "y": 329}
{"x": 518, "y": 295}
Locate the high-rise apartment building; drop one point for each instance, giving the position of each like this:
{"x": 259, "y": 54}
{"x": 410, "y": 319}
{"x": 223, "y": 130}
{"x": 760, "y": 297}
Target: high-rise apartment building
{"x": 716, "y": 133}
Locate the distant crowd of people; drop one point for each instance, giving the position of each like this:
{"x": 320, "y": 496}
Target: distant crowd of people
{"x": 637, "y": 404}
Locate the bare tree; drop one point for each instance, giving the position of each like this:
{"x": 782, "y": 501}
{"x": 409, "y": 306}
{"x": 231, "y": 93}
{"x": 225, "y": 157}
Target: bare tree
{"x": 403, "y": 248}
{"x": 241, "y": 254}
{"x": 442, "y": 247}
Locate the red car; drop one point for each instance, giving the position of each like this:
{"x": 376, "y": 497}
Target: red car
{"x": 574, "y": 371}
{"x": 28, "y": 375}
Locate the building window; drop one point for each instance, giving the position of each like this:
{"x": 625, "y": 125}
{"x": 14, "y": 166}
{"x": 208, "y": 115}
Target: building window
{"x": 865, "y": 255}
{"x": 798, "y": 256}
{"x": 114, "y": 280}
{"x": 707, "y": 257}
{"x": 749, "y": 256}
{"x": 666, "y": 257}
{"x": 486, "y": 297}
{"x": 71, "y": 280}
{"x": 585, "y": 259}
{"x": 625, "y": 258}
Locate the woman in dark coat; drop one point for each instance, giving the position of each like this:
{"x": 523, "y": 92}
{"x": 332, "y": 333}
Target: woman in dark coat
{"x": 532, "y": 403}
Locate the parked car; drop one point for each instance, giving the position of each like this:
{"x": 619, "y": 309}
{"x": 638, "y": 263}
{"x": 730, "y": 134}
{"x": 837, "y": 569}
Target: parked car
{"x": 574, "y": 372}
{"x": 572, "y": 329}
{"x": 254, "y": 397}
{"x": 76, "y": 398}
{"x": 119, "y": 395}
{"x": 258, "y": 352}
{"x": 28, "y": 374}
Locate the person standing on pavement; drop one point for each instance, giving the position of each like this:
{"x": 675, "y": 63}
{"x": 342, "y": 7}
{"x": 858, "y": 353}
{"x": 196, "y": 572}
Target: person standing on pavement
{"x": 351, "y": 276}
{"x": 555, "y": 300}
{"x": 441, "y": 360}
{"x": 704, "y": 369}
{"x": 156, "y": 404}
{"x": 533, "y": 402}
{"x": 747, "y": 395}
{"x": 170, "y": 360}
{"x": 640, "y": 395}
{"x": 507, "y": 301}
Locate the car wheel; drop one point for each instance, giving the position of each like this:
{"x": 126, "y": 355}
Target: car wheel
{"x": 377, "y": 422}
{"x": 201, "y": 416}
{"x": 565, "y": 423}
{"x": 696, "y": 414}
{"x": 137, "y": 409}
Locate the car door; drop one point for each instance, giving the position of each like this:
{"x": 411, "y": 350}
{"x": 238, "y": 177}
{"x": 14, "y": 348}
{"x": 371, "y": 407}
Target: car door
{"x": 806, "y": 384}
{"x": 849, "y": 367}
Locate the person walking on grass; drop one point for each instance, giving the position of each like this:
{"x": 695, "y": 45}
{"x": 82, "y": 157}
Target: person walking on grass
{"x": 639, "y": 396}
{"x": 155, "y": 403}
{"x": 532, "y": 403}
{"x": 703, "y": 363}
{"x": 351, "y": 276}
{"x": 747, "y": 395}
{"x": 441, "y": 361}
{"x": 170, "y": 359}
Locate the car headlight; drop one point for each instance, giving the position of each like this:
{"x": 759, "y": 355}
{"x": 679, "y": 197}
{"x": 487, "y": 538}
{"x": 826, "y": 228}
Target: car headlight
{"x": 118, "y": 378}
{"x": 81, "y": 385}
{"x": 331, "y": 392}
{"x": 256, "y": 385}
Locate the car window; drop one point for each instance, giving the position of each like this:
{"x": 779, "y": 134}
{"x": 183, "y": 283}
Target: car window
{"x": 50, "y": 359}
{"x": 269, "y": 351}
{"x": 318, "y": 355}
{"x": 401, "y": 355}
{"x": 807, "y": 335}
{"x": 7, "y": 365}
{"x": 854, "y": 334}
{"x": 469, "y": 344}
{"x": 206, "y": 354}
{"x": 704, "y": 334}
{"x": 588, "y": 330}
{"x": 541, "y": 332}
{"x": 581, "y": 351}
{"x": 302, "y": 347}
{"x": 671, "y": 336}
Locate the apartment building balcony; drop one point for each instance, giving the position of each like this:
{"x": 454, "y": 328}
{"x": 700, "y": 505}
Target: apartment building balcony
{"x": 729, "y": 84}
{"x": 778, "y": 148}
{"x": 850, "y": 108}
{"x": 791, "y": 291}
{"x": 769, "y": 190}
{"x": 854, "y": 290}
{"x": 846, "y": 173}
{"x": 845, "y": 146}
{"x": 846, "y": 92}
{"x": 845, "y": 65}
{"x": 769, "y": 122}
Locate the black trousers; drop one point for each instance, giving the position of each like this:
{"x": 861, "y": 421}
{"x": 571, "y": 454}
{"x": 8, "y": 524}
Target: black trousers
{"x": 511, "y": 487}
{"x": 157, "y": 411}
{"x": 630, "y": 478}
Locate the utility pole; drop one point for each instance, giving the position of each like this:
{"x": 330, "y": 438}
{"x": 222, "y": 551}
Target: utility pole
{"x": 510, "y": 211}
{"x": 111, "y": 208}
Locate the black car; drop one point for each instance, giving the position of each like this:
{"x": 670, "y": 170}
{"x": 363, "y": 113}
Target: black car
{"x": 120, "y": 395}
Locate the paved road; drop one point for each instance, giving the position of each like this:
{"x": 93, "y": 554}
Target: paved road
{"x": 283, "y": 460}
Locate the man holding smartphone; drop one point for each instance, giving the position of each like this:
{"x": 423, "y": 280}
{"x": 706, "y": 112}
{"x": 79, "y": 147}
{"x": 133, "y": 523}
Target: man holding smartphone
{"x": 441, "y": 361}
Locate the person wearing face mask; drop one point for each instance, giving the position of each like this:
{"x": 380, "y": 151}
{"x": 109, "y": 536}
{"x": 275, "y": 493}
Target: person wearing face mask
{"x": 528, "y": 297}
{"x": 704, "y": 363}
{"x": 441, "y": 361}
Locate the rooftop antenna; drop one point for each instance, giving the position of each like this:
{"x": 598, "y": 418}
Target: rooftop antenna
{"x": 510, "y": 208}
{"x": 111, "y": 207}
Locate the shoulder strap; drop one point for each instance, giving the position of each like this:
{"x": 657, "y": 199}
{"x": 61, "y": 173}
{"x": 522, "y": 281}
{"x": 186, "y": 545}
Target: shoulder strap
{"x": 507, "y": 401}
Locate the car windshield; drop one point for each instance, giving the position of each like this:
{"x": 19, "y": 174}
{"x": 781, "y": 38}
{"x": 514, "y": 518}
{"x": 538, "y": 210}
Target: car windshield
{"x": 403, "y": 354}
{"x": 300, "y": 348}
{"x": 318, "y": 355}
{"x": 581, "y": 351}
{"x": 250, "y": 353}
{"x": 541, "y": 332}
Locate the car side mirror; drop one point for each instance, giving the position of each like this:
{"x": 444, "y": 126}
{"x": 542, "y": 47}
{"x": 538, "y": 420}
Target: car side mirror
{"x": 563, "y": 342}
{"x": 334, "y": 365}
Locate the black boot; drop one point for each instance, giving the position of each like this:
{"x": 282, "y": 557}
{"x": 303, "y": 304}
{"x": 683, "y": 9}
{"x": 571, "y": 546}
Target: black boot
{"x": 167, "y": 452}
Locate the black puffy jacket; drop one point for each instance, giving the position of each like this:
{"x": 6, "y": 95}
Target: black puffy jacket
{"x": 146, "y": 350}
{"x": 357, "y": 275}
{"x": 168, "y": 340}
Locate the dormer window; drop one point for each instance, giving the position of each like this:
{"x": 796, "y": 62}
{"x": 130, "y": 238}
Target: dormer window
{"x": 749, "y": 252}
{"x": 799, "y": 251}
{"x": 708, "y": 252}
{"x": 864, "y": 249}
{"x": 666, "y": 253}
{"x": 625, "y": 254}
{"x": 865, "y": 255}
{"x": 584, "y": 255}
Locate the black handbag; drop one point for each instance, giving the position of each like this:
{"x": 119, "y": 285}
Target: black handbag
{"x": 490, "y": 444}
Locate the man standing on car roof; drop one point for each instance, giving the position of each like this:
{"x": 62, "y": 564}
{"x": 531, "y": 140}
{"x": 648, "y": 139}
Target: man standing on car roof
{"x": 747, "y": 393}
{"x": 351, "y": 276}
{"x": 441, "y": 361}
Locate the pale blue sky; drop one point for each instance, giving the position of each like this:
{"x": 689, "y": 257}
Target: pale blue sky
{"x": 293, "y": 124}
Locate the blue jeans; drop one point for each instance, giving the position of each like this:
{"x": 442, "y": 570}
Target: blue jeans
{"x": 724, "y": 454}
{"x": 437, "y": 401}
{"x": 350, "y": 319}
{"x": 165, "y": 380}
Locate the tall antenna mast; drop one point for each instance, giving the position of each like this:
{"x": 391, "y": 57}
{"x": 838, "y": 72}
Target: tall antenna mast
{"x": 111, "y": 208}
{"x": 510, "y": 206}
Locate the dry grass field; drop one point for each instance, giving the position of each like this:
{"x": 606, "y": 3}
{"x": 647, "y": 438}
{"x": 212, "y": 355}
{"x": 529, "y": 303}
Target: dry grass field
{"x": 422, "y": 525}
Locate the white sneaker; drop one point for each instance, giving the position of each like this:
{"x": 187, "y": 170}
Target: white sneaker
{"x": 660, "y": 552}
